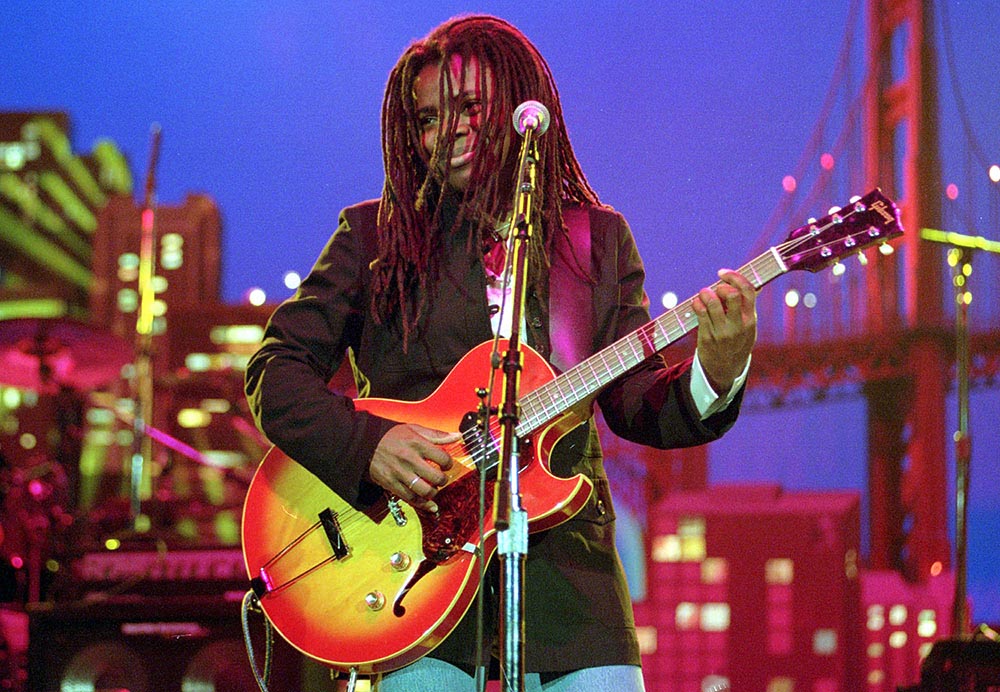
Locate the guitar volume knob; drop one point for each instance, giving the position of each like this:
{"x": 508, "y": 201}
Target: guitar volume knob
{"x": 399, "y": 561}
{"x": 375, "y": 600}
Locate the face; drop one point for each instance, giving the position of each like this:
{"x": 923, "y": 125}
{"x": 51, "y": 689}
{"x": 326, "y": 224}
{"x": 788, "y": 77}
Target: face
{"x": 433, "y": 116}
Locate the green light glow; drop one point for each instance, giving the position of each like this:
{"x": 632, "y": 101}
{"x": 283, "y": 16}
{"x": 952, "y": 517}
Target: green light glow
{"x": 114, "y": 171}
{"x": 33, "y": 308}
{"x": 32, "y": 208}
{"x": 71, "y": 205}
{"x": 42, "y": 251}
{"x": 58, "y": 143}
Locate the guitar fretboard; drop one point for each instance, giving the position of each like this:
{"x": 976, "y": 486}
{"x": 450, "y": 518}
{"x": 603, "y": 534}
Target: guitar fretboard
{"x": 585, "y": 379}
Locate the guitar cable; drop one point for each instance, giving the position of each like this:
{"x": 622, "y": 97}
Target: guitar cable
{"x": 252, "y": 603}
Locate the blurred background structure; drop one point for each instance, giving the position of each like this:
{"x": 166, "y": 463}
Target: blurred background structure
{"x": 819, "y": 546}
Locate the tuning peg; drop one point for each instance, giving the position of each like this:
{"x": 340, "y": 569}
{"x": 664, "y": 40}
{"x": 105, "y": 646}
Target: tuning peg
{"x": 862, "y": 259}
{"x": 886, "y": 249}
{"x": 838, "y": 268}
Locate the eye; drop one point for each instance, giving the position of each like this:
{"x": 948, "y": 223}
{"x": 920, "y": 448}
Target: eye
{"x": 427, "y": 120}
{"x": 473, "y": 106}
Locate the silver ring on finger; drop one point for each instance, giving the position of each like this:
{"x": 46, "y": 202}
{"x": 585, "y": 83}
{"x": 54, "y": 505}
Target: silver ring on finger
{"x": 413, "y": 482}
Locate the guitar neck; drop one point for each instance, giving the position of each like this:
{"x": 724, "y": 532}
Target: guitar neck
{"x": 584, "y": 380}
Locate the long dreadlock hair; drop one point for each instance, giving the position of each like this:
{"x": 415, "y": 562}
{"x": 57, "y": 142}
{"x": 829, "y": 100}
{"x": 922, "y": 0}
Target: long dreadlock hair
{"x": 415, "y": 190}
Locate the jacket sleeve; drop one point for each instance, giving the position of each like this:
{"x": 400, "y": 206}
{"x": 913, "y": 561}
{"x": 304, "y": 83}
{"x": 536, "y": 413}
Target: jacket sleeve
{"x": 651, "y": 405}
{"x": 286, "y": 379}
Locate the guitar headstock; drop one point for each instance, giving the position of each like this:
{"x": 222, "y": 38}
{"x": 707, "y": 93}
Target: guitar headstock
{"x": 866, "y": 221}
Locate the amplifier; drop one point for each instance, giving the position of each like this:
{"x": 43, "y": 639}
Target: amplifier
{"x": 170, "y": 571}
{"x": 164, "y": 644}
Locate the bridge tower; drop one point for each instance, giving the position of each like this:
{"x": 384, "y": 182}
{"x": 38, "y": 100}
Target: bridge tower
{"x": 907, "y": 472}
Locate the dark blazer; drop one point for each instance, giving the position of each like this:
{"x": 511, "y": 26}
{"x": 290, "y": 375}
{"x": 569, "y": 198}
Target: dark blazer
{"x": 578, "y": 608}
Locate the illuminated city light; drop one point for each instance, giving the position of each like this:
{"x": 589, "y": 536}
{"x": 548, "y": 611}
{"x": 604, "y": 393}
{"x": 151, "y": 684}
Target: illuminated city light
{"x": 219, "y": 406}
{"x": 237, "y": 334}
{"x": 714, "y": 570}
{"x": 826, "y": 161}
{"x": 292, "y": 280}
{"x": 28, "y": 441}
{"x": 11, "y": 397}
{"x": 936, "y": 568}
{"x": 197, "y": 362}
{"x": 926, "y": 623}
{"x": 128, "y": 300}
{"x": 788, "y": 183}
{"x": 193, "y": 418}
{"x": 952, "y": 191}
{"x": 779, "y": 571}
{"x": 897, "y": 640}
{"x": 876, "y": 617}
{"x": 825, "y": 642}
{"x": 715, "y": 617}
{"x": 693, "y": 548}
{"x": 669, "y": 300}
{"x": 666, "y": 549}
{"x": 256, "y": 296}
{"x": 647, "y": 639}
{"x": 792, "y": 298}
{"x": 995, "y": 173}
{"x": 781, "y": 684}
{"x": 809, "y": 300}
{"x": 686, "y": 616}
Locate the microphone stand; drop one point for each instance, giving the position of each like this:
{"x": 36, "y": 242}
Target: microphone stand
{"x": 960, "y": 260}
{"x": 140, "y": 477}
{"x": 510, "y": 518}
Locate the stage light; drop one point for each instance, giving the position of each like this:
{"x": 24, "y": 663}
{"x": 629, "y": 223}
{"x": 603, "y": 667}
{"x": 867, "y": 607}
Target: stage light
{"x": 256, "y": 296}
{"x": 292, "y": 280}
{"x": 669, "y": 300}
{"x": 995, "y": 173}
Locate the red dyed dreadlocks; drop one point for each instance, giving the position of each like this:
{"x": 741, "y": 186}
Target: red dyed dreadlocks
{"x": 413, "y": 195}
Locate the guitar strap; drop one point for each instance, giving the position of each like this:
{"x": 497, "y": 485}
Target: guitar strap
{"x": 571, "y": 293}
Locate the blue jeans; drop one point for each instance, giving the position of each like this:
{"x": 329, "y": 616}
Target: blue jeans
{"x": 432, "y": 675}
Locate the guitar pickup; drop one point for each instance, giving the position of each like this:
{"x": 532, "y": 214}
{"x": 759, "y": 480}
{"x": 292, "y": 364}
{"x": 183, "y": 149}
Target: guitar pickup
{"x": 331, "y": 525}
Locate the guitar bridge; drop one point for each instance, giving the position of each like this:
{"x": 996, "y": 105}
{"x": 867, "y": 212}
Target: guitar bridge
{"x": 331, "y": 525}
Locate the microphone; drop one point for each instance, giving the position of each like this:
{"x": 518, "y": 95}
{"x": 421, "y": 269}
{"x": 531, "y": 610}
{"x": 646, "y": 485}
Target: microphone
{"x": 531, "y": 115}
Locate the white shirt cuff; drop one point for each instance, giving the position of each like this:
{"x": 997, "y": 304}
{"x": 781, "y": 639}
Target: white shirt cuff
{"x": 705, "y": 398}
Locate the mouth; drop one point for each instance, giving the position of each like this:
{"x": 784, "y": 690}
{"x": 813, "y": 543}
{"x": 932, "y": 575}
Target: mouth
{"x": 461, "y": 160}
